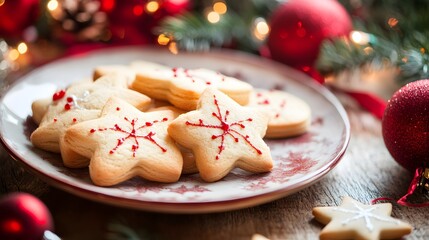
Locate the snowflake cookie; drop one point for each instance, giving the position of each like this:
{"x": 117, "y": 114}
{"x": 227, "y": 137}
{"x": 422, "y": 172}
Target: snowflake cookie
{"x": 223, "y": 135}
{"x": 125, "y": 142}
{"x": 354, "y": 220}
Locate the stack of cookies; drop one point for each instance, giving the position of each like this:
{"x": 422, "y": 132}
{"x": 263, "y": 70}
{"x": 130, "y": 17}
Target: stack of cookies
{"x": 158, "y": 122}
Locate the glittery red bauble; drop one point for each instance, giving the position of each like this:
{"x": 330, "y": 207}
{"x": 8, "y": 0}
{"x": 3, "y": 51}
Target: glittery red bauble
{"x": 23, "y": 216}
{"x": 405, "y": 125}
{"x": 298, "y": 27}
{"x": 16, "y": 15}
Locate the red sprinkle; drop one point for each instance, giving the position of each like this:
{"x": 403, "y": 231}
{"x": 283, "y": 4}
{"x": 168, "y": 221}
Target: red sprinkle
{"x": 67, "y": 106}
{"x": 117, "y": 109}
{"x": 58, "y": 95}
{"x": 69, "y": 99}
{"x": 55, "y": 119}
{"x": 74, "y": 119}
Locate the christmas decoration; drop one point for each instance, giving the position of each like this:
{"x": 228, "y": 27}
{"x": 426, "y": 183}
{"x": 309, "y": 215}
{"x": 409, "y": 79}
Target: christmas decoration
{"x": 79, "y": 20}
{"x": 298, "y": 27}
{"x": 405, "y": 132}
{"x": 387, "y": 33}
{"x": 23, "y": 216}
{"x": 17, "y": 15}
{"x": 405, "y": 125}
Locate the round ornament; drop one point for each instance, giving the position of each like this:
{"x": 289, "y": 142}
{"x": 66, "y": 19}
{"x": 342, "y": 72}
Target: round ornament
{"x": 405, "y": 125}
{"x": 23, "y": 216}
{"x": 16, "y": 15}
{"x": 298, "y": 28}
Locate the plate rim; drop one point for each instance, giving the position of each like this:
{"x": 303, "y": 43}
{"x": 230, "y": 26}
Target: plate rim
{"x": 194, "y": 207}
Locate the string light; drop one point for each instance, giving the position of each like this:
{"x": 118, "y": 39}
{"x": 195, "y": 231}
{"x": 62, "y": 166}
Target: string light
{"x": 52, "y": 5}
{"x": 138, "y": 10}
{"x": 220, "y": 7}
{"x": 260, "y": 29}
{"x": 22, "y": 48}
{"x": 392, "y": 22}
{"x": 213, "y": 17}
{"x": 2, "y": 2}
{"x": 163, "y": 39}
{"x": 360, "y": 38}
{"x": 173, "y": 48}
{"x": 152, "y": 6}
{"x": 13, "y": 54}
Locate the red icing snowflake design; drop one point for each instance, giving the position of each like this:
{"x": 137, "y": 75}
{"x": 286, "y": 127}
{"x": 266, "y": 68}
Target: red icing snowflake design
{"x": 132, "y": 134}
{"x": 228, "y": 129}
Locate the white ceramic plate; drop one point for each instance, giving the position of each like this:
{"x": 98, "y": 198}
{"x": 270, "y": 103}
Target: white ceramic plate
{"x": 299, "y": 161}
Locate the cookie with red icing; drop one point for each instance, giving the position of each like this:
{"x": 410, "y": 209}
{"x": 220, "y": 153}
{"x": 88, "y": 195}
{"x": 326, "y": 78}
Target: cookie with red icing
{"x": 125, "y": 142}
{"x": 183, "y": 87}
{"x": 76, "y": 104}
{"x": 289, "y": 115}
{"x": 223, "y": 135}
{"x": 128, "y": 71}
{"x": 189, "y": 165}
{"x": 40, "y": 106}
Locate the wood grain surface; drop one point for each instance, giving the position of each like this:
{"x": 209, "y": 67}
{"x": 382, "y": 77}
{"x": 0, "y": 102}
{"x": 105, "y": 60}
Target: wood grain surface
{"x": 366, "y": 172}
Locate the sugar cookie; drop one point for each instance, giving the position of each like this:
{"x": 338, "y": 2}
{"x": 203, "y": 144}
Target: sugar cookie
{"x": 76, "y": 104}
{"x": 289, "y": 115}
{"x": 126, "y": 142}
{"x": 223, "y": 135}
{"x": 354, "y": 220}
{"x": 183, "y": 87}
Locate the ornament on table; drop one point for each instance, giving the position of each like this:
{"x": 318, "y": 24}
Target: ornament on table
{"x": 23, "y": 216}
{"x": 405, "y": 128}
{"x": 79, "y": 21}
{"x": 16, "y": 16}
{"x": 298, "y": 27}
{"x": 354, "y": 220}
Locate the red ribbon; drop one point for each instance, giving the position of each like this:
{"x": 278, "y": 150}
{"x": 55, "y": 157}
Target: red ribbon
{"x": 411, "y": 189}
{"x": 370, "y": 102}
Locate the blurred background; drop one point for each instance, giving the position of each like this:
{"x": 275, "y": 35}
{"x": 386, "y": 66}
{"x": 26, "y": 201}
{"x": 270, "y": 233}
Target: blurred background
{"x": 365, "y": 46}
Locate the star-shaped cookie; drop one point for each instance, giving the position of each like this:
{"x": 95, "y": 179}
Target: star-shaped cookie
{"x": 354, "y": 220}
{"x": 126, "y": 142}
{"x": 79, "y": 103}
{"x": 183, "y": 87}
{"x": 223, "y": 135}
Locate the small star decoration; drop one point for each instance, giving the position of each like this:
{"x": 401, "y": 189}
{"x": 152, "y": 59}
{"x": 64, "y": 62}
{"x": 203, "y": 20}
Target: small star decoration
{"x": 354, "y": 220}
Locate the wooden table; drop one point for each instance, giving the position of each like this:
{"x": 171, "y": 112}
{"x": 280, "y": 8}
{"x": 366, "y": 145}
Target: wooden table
{"x": 366, "y": 172}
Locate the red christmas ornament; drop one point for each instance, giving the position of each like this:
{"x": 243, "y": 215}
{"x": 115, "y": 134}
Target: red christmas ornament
{"x": 405, "y": 125}
{"x": 133, "y": 22}
{"x": 23, "y": 216}
{"x": 16, "y": 15}
{"x": 298, "y": 27}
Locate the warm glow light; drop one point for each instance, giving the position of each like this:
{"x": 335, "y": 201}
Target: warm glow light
{"x": 220, "y": 7}
{"x": 13, "y": 54}
{"x": 163, "y": 39}
{"x": 360, "y": 38}
{"x": 392, "y": 22}
{"x": 22, "y": 48}
{"x": 368, "y": 50}
{"x": 137, "y": 10}
{"x": 152, "y": 6}
{"x": 52, "y": 5}
{"x": 260, "y": 29}
{"x": 213, "y": 17}
{"x": 2, "y": 2}
{"x": 173, "y": 48}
